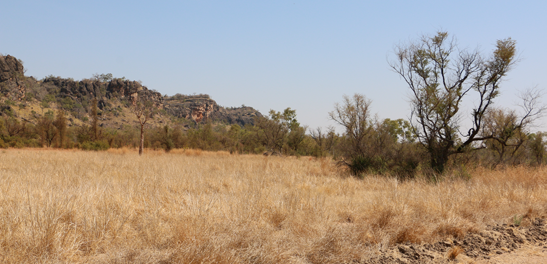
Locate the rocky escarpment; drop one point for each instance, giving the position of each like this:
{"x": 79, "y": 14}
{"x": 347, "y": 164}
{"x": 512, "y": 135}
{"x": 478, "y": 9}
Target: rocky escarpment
{"x": 85, "y": 90}
{"x": 76, "y": 97}
{"x": 201, "y": 108}
{"x": 238, "y": 115}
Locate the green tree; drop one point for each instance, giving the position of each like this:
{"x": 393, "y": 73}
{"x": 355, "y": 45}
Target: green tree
{"x": 167, "y": 138}
{"x": 399, "y": 129}
{"x": 279, "y": 129}
{"x": 537, "y": 146}
{"x": 102, "y": 77}
{"x": 13, "y": 127}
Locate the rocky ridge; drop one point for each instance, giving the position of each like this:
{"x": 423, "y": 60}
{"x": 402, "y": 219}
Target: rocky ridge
{"x": 113, "y": 98}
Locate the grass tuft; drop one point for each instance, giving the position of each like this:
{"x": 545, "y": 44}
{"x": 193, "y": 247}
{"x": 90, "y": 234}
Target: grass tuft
{"x": 454, "y": 252}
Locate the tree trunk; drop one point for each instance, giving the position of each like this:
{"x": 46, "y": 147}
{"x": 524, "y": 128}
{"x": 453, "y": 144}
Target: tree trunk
{"x": 439, "y": 158}
{"x": 141, "y": 146}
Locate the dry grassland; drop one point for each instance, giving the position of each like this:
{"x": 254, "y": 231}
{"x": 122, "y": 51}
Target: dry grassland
{"x": 200, "y": 207}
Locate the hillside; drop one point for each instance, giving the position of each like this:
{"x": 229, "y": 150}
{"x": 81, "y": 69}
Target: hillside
{"x": 28, "y": 99}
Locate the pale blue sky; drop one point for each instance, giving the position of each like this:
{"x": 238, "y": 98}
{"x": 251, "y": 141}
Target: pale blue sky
{"x": 266, "y": 54}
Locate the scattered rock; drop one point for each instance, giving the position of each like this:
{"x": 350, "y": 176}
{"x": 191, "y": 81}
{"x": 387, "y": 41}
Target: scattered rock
{"x": 498, "y": 240}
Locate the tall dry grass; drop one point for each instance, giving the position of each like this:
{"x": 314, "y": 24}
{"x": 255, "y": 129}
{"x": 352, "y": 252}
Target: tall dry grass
{"x": 201, "y": 207}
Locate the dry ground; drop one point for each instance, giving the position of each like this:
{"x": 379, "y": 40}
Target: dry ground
{"x": 199, "y": 207}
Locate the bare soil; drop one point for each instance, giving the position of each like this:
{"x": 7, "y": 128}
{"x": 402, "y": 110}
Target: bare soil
{"x": 498, "y": 244}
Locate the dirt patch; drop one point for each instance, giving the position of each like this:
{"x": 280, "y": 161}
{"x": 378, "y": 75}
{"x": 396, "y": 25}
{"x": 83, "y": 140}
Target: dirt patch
{"x": 489, "y": 246}
{"x": 526, "y": 255}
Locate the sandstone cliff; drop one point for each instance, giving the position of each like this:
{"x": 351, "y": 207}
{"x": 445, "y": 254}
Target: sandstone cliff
{"x": 10, "y": 67}
{"x": 200, "y": 108}
{"x": 113, "y": 97}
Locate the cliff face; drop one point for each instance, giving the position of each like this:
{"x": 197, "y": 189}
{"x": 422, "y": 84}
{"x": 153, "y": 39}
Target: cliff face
{"x": 201, "y": 108}
{"x": 105, "y": 92}
{"x": 10, "y": 67}
{"x": 112, "y": 97}
{"x": 12, "y": 78}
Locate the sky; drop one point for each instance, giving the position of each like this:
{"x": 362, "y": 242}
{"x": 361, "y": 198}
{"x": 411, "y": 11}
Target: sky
{"x": 305, "y": 55}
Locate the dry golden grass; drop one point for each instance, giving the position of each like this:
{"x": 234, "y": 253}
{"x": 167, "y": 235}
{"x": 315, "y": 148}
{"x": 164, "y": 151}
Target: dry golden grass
{"x": 192, "y": 206}
{"x": 454, "y": 252}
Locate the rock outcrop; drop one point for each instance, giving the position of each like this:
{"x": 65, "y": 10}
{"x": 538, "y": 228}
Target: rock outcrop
{"x": 12, "y": 78}
{"x": 10, "y": 67}
{"x": 77, "y": 96}
{"x": 103, "y": 91}
{"x": 238, "y": 115}
{"x": 201, "y": 108}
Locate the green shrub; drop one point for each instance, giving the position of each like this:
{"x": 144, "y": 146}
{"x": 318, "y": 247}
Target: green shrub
{"x": 29, "y": 97}
{"x": 517, "y": 220}
{"x": 95, "y": 145}
{"x": 406, "y": 168}
{"x": 49, "y": 98}
{"x": 359, "y": 165}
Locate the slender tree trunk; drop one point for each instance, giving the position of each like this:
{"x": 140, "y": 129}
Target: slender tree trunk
{"x": 141, "y": 146}
{"x": 95, "y": 120}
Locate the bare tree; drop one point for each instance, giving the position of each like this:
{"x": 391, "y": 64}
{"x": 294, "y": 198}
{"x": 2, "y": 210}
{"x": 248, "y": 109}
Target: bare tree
{"x": 95, "y": 120}
{"x": 319, "y": 137}
{"x": 60, "y": 124}
{"x": 506, "y": 131}
{"x": 354, "y": 115}
{"x": 144, "y": 111}
{"x": 46, "y": 129}
{"x": 507, "y": 138}
{"x": 440, "y": 75}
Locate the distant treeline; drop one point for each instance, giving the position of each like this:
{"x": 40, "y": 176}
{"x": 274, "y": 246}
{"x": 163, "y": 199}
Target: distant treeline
{"x": 387, "y": 147}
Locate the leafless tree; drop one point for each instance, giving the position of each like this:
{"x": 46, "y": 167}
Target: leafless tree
{"x": 144, "y": 111}
{"x": 507, "y": 131}
{"x": 354, "y": 115}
